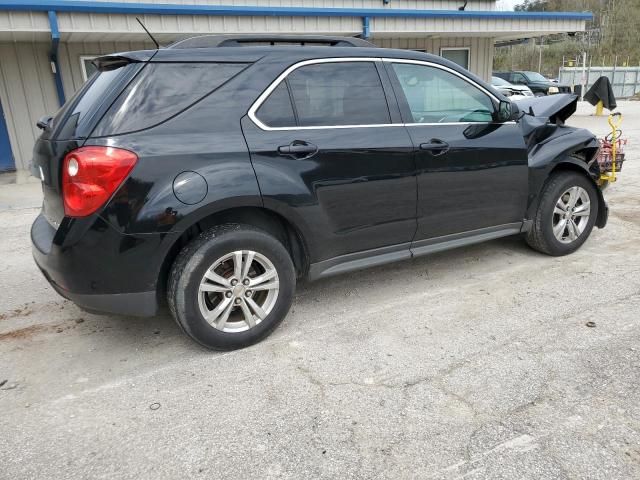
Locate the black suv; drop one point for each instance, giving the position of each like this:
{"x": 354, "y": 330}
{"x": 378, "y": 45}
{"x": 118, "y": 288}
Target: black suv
{"x": 216, "y": 172}
{"x": 536, "y": 82}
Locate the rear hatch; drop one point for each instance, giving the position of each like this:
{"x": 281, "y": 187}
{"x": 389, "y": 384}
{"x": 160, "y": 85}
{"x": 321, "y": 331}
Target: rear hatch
{"x": 73, "y": 124}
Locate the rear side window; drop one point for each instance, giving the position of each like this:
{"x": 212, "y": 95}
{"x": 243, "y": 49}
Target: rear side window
{"x": 162, "y": 90}
{"x": 277, "y": 111}
{"x": 343, "y": 93}
{"x": 327, "y": 94}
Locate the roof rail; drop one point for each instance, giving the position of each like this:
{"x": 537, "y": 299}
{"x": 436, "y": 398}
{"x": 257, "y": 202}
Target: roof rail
{"x": 210, "y": 41}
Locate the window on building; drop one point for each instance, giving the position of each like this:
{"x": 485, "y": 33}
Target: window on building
{"x": 87, "y": 68}
{"x": 435, "y": 95}
{"x": 456, "y": 55}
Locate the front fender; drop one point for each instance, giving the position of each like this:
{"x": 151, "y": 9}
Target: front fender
{"x": 565, "y": 148}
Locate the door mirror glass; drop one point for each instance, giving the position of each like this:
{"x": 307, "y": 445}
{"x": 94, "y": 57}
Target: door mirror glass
{"x": 504, "y": 112}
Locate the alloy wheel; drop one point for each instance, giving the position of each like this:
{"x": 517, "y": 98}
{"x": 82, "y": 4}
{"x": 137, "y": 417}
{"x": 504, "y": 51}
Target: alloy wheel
{"x": 571, "y": 214}
{"x": 238, "y": 291}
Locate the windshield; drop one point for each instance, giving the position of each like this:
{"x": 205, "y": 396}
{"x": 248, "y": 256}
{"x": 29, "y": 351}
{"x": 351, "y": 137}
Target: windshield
{"x": 499, "y": 82}
{"x": 535, "y": 76}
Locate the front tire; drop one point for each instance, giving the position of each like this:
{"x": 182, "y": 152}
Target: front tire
{"x": 566, "y": 214}
{"x": 231, "y": 286}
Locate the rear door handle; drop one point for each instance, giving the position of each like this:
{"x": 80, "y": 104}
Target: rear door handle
{"x": 435, "y": 146}
{"x": 298, "y": 149}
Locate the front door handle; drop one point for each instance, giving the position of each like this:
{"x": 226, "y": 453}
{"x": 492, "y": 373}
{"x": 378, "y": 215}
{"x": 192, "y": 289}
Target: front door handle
{"x": 435, "y": 146}
{"x": 298, "y": 149}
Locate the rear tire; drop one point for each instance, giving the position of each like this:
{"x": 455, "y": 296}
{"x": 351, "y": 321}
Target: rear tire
{"x": 566, "y": 214}
{"x": 231, "y": 286}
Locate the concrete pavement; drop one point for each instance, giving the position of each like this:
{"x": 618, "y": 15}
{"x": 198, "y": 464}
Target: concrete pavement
{"x": 473, "y": 363}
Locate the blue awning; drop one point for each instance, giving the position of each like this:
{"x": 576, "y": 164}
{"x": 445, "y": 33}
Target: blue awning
{"x": 232, "y": 10}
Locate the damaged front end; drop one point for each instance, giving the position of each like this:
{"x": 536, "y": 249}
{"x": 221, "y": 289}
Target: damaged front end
{"x": 552, "y": 145}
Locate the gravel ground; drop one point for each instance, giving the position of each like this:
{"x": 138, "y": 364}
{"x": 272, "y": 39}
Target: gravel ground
{"x": 473, "y": 363}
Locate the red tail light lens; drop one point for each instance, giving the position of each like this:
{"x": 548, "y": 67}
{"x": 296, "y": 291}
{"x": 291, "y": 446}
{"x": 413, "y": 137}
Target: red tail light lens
{"x": 90, "y": 175}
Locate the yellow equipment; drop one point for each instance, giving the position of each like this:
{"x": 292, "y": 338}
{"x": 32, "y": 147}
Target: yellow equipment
{"x": 599, "y": 108}
{"x": 615, "y": 120}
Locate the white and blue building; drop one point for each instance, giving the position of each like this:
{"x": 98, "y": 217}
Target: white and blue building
{"x": 46, "y": 46}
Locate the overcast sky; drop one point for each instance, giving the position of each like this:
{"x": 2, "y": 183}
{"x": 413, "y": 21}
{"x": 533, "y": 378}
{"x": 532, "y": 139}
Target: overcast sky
{"x": 507, "y": 4}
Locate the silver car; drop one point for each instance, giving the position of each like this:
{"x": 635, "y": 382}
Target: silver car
{"x": 514, "y": 92}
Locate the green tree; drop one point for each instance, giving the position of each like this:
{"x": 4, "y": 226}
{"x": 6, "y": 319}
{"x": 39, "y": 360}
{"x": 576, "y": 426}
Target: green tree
{"x": 612, "y": 36}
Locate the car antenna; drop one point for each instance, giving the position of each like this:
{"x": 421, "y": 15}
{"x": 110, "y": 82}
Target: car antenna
{"x": 148, "y": 33}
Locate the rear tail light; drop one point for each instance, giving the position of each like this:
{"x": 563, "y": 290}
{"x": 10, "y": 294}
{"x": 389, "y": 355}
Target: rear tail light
{"x": 90, "y": 176}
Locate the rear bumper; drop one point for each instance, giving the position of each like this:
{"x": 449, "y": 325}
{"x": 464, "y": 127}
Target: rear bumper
{"x": 98, "y": 268}
{"x": 139, "y": 304}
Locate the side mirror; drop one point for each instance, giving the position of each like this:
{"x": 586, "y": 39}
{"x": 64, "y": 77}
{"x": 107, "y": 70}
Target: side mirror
{"x": 504, "y": 112}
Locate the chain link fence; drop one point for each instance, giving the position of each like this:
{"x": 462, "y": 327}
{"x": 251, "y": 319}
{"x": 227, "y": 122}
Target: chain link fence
{"x": 624, "y": 80}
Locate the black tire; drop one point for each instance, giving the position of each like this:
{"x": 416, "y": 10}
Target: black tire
{"x": 198, "y": 256}
{"x": 541, "y": 236}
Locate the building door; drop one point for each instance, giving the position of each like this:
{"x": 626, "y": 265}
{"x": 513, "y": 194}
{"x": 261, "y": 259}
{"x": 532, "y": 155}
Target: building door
{"x": 6, "y": 157}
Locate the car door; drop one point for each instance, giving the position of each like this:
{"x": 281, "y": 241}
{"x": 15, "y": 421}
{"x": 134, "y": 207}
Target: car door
{"x": 329, "y": 153}
{"x": 472, "y": 171}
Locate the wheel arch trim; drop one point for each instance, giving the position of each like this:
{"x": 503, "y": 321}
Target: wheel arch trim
{"x": 174, "y": 242}
{"x": 571, "y": 163}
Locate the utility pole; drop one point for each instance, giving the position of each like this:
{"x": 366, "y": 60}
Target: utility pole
{"x": 584, "y": 76}
{"x": 540, "y": 55}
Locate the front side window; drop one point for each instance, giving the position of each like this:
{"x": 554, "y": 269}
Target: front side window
{"x": 438, "y": 96}
{"x": 328, "y": 94}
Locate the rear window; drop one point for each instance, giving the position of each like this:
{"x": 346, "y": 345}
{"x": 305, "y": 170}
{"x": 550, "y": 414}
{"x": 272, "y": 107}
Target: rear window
{"x": 161, "y": 91}
{"x": 76, "y": 117}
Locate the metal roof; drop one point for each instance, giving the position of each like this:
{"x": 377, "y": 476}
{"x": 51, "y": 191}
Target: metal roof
{"x": 223, "y": 10}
